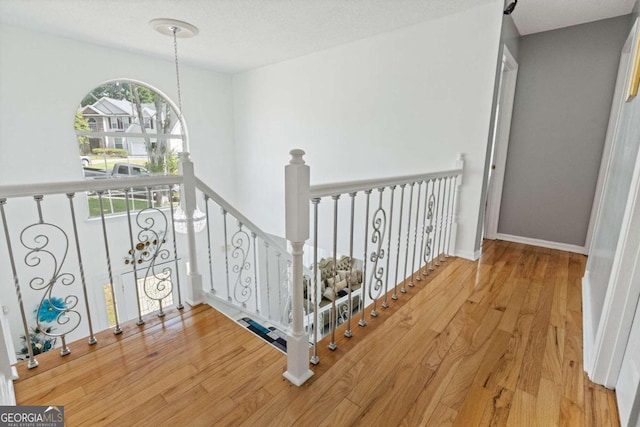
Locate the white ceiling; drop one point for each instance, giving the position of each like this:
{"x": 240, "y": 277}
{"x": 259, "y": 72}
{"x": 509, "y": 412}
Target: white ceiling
{"x": 237, "y": 35}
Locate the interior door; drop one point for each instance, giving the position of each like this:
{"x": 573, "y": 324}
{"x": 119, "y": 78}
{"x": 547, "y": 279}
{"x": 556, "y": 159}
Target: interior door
{"x": 156, "y": 288}
{"x": 626, "y": 275}
{"x": 628, "y": 385}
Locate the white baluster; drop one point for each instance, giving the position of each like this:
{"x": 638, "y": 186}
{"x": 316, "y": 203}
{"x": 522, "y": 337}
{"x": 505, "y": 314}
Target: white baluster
{"x": 297, "y": 232}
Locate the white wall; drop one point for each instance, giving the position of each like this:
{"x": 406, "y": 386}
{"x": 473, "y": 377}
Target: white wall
{"x": 399, "y": 103}
{"x": 43, "y": 80}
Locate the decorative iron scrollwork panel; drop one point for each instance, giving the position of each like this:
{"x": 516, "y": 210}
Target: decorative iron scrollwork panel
{"x": 429, "y": 229}
{"x": 241, "y": 246}
{"x": 379, "y": 223}
{"x": 47, "y": 246}
{"x": 150, "y": 252}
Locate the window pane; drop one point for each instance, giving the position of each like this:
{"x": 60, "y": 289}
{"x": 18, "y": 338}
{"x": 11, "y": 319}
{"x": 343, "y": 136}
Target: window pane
{"x": 149, "y": 135}
{"x": 147, "y": 304}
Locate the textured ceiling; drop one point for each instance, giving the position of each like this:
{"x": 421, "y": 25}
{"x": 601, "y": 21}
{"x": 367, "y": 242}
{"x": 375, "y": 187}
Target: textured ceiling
{"x": 534, "y": 16}
{"x": 237, "y": 35}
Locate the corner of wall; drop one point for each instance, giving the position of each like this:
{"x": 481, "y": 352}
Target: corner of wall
{"x": 509, "y": 36}
{"x": 469, "y": 255}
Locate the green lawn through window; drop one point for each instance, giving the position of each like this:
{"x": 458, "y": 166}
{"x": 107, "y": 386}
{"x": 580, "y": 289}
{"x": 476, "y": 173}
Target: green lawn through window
{"x": 118, "y": 204}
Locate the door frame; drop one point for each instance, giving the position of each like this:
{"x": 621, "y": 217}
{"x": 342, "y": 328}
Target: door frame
{"x": 506, "y": 95}
{"x": 628, "y": 378}
{"x": 622, "y": 296}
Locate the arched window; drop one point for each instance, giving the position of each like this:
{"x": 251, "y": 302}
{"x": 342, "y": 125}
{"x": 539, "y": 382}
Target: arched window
{"x": 128, "y": 122}
{"x": 126, "y": 128}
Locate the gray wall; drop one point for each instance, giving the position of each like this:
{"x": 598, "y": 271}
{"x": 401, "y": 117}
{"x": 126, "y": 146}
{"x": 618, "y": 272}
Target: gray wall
{"x": 561, "y": 110}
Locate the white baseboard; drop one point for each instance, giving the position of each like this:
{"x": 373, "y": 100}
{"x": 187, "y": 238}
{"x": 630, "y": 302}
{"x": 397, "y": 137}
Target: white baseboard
{"x": 471, "y": 256}
{"x": 542, "y": 243}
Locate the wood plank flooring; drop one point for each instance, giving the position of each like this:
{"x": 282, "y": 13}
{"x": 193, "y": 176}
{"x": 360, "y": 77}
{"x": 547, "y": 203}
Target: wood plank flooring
{"x": 495, "y": 342}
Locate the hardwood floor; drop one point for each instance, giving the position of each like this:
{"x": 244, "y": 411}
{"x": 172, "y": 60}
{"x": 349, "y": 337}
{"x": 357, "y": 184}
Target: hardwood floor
{"x": 497, "y": 342}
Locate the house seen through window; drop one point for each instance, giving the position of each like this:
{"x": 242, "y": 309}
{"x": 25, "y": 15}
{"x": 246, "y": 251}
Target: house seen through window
{"x": 127, "y": 129}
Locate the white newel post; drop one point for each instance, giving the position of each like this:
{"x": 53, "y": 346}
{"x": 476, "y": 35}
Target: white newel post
{"x": 296, "y": 175}
{"x": 188, "y": 199}
{"x": 456, "y": 205}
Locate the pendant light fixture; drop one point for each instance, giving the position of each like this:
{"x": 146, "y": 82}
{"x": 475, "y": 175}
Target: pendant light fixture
{"x": 180, "y": 29}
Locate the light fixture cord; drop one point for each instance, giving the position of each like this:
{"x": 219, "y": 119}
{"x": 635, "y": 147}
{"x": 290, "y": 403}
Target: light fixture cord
{"x": 175, "y": 55}
{"x": 175, "y": 52}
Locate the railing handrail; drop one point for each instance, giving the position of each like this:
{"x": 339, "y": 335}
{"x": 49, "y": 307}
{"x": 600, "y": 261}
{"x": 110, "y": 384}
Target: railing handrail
{"x": 103, "y": 184}
{"x": 209, "y": 192}
{"x": 334, "y": 189}
{"x": 96, "y": 134}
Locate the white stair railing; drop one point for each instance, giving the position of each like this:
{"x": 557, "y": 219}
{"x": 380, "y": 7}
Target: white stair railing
{"x": 49, "y": 252}
{"x": 252, "y": 271}
{"x": 382, "y": 236}
{"x": 50, "y": 248}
